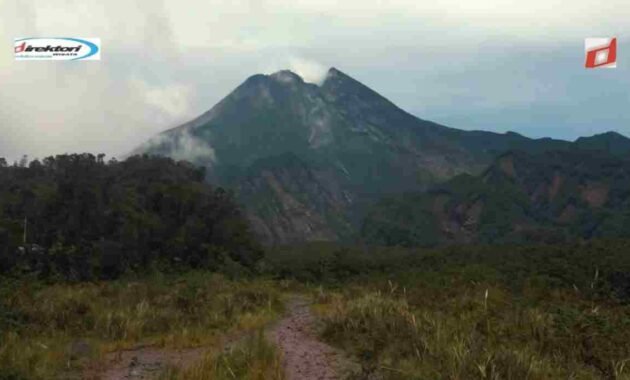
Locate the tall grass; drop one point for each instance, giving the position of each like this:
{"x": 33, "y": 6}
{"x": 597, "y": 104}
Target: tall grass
{"x": 476, "y": 331}
{"x": 48, "y": 323}
{"x": 252, "y": 359}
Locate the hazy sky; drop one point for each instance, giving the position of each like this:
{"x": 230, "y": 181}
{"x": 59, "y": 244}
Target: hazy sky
{"x": 489, "y": 64}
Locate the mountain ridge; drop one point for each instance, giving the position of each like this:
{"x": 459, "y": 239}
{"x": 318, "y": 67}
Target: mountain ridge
{"x": 354, "y": 145}
{"x": 556, "y": 196}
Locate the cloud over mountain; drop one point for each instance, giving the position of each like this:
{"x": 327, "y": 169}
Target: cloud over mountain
{"x": 481, "y": 64}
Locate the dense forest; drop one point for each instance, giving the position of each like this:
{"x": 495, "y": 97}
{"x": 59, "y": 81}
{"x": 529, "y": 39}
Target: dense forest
{"x": 80, "y": 217}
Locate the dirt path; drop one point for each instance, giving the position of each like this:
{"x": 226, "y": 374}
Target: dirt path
{"x": 147, "y": 362}
{"x": 144, "y": 362}
{"x": 304, "y": 357}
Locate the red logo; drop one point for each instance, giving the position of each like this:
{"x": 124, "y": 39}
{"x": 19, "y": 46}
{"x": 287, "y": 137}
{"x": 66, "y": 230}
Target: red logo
{"x": 600, "y": 52}
{"x": 20, "y": 48}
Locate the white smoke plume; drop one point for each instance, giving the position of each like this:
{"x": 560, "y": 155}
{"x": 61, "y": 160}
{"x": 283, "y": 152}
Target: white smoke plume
{"x": 310, "y": 71}
{"x": 181, "y": 145}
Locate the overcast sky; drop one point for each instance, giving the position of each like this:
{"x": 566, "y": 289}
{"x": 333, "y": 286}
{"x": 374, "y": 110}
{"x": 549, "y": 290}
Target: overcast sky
{"x": 474, "y": 64}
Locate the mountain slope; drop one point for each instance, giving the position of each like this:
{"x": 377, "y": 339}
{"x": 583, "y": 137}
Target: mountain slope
{"x": 308, "y": 160}
{"x": 552, "y": 196}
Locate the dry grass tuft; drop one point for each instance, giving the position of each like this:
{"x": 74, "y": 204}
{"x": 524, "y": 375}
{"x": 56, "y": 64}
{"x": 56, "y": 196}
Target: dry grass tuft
{"x": 252, "y": 359}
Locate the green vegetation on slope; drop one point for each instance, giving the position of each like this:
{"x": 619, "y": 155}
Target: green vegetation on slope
{"x": 550, "y": 197}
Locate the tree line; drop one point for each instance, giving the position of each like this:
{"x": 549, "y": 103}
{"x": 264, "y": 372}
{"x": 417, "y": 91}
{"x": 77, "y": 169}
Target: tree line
{"x": 79, "y": 217}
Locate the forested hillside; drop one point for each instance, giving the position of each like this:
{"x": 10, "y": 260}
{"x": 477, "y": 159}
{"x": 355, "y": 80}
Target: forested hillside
{"x": 80, "y": 217}
{"x": 550, "y": 197}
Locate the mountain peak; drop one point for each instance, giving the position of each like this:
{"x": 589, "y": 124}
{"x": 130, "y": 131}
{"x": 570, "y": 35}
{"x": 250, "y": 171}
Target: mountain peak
{"x": 608, "y": 135}
{"x": 305, "y": 161}
{"x": 334, "y": 71}
{"x": 611, "y": 141}
{"x": 286, "y": 76}
{"x": 336, "y": 76}
{"x": 282, "y": 77}
{"x": 360, "y": 100}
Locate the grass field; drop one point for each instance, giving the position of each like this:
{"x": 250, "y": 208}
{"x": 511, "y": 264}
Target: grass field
{"x": 55, "y": 330}
{"x": 539, "y": 312}
{"x": 461, "y": 330}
